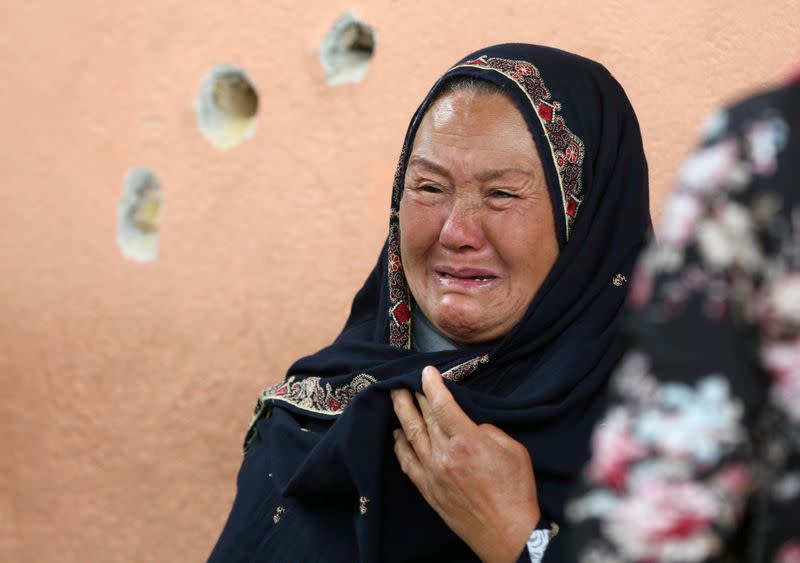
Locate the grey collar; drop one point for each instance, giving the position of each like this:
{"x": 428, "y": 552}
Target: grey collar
{"x": 425, "y": 337}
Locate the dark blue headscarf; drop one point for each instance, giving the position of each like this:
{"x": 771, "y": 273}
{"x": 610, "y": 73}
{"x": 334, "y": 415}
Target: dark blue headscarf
{"x": 320, "y": 481}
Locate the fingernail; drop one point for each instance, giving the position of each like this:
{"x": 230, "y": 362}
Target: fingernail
{"x": 396, "y": 434}
{"x": 426, "y": 371}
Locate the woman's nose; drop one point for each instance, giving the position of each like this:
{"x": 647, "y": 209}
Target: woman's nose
{"x": 462, "y": 229}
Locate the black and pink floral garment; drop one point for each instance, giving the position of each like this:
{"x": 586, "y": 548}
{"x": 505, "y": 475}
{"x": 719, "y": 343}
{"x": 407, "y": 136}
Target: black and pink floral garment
{"x": 698, "y": 458}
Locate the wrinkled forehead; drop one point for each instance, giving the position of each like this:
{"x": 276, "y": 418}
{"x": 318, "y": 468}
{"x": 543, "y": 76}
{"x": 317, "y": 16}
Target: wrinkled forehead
{"x": 473, "y": 134}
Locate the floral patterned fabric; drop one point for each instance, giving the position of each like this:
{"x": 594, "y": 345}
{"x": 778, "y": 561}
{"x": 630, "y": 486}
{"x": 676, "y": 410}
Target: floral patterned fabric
{"x": 698, "y": 458}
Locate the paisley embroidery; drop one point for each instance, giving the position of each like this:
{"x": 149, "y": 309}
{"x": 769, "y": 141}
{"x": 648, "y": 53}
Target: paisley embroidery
{"x": 461, "y": 371}
{"x": 566, "y": 148}
{"x": 399, "y": 298}
{"x": 308, "y": 394}
{"x": 400, "y": 308}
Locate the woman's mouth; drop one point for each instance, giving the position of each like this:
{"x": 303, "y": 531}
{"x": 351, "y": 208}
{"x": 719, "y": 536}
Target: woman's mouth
{"x": 466, "y": 278}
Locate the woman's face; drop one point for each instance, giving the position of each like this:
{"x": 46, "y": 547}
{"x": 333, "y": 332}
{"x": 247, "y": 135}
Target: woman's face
{"x": 477, "y": 235}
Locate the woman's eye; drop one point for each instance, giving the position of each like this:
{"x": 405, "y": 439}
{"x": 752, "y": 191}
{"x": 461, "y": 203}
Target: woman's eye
{"x": 500, "y": 194}
{"x": 430, "y": 189}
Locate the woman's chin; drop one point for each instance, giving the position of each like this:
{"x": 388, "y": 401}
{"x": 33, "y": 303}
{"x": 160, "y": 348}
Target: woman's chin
{"x": 462, "y": 326}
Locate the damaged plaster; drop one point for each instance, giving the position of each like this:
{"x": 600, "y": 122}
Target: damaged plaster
{"x": 227, "y": 106}
{"x": 347, "y": 49}
{"x": 138, "y": 216}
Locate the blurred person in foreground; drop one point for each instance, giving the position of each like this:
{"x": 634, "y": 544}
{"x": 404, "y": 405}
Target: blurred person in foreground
{"x": 518, "y": 210}
{"x": 699, "y": 457}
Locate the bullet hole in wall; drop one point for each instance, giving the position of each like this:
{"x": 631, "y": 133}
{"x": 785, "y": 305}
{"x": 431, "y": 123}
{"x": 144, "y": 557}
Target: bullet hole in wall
{"x": 138, "y": 216}
{"x": 347, "y": 49}
{"x": 227, "y": 106}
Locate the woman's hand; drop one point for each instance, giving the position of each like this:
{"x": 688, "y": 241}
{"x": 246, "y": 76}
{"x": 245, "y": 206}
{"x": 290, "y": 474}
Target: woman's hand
{"x": 476, "y": 477}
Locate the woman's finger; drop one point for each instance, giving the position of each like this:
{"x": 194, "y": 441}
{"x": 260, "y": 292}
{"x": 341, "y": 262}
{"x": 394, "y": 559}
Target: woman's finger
{"x": 443, "y": 407}
{"x": 437, "y": 436}
{"x": 412, "y": 423}
{"x": 409, "y": 462}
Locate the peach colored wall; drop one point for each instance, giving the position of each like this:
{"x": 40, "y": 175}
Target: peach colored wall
{"x": 127, "y": 387}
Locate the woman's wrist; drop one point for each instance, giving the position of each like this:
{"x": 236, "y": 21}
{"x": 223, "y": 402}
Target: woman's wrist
{"x": 510, "y": 539}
